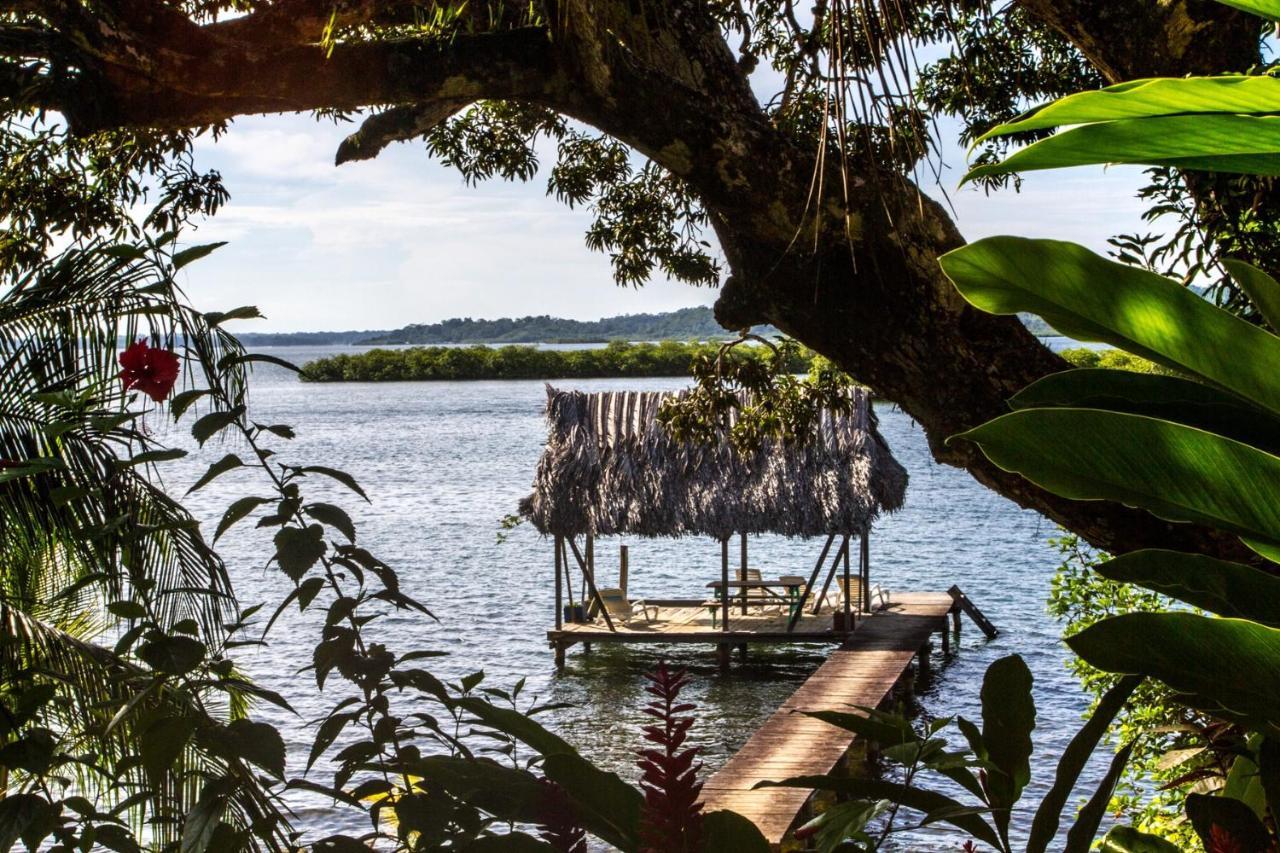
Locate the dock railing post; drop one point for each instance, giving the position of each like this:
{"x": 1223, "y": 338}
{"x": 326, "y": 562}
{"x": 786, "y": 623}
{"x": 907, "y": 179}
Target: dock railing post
{"x": 724, "y": 583}
{"x": 848, "y": 624}
{"x": 622, "y": 569}
{"x": 559, "y": 589}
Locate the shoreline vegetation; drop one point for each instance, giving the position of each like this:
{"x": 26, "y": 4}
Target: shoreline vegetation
{"x": 617, "y": 360}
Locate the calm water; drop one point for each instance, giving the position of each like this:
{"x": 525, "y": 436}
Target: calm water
{"x": 443, "y": 462}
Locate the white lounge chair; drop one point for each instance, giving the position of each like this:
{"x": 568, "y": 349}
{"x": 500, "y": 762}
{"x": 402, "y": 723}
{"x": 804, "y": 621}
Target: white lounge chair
{"x": 623, "y": 610}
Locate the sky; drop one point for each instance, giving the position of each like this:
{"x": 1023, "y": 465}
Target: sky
{"x": 401, "y": 239}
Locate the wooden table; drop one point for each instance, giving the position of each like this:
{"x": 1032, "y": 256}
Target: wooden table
{"x": 790, "y": 584}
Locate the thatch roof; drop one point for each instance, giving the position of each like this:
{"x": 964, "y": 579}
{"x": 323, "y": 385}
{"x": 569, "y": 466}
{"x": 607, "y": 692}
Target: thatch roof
{"x": 610, "y": 468}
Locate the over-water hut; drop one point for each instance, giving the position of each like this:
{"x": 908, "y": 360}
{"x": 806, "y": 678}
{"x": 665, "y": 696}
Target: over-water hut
{"x": 610, "y": 468}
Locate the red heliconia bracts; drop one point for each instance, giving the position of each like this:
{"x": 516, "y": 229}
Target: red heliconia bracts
{"x": 671, "y": 820}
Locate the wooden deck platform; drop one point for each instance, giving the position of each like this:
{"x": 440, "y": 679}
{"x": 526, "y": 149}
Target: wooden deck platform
{"x": 862, "y": 672}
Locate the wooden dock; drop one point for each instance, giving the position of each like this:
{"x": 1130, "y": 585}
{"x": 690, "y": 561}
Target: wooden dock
{"x": 862, "y": 672}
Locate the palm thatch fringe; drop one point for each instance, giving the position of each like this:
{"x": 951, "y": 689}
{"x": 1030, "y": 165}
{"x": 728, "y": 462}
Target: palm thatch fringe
{"x": 610, "y": 468}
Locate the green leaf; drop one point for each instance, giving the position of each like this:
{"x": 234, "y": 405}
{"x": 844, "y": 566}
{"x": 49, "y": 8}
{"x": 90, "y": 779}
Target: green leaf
{"x": 1231, "y": 662}
{"x": 1126, "y": 839}
{"x": 298, "y": 549}
{"x": 230, "y": 462}
{"x": 253, "y": 357}
{"x": 1008, "y": 717}
{"x": 1237, "y": 144}
{"x": 729, "y": 832}
{"x": 26, "y": 817}
{"x": 244, "y": 312}
{"x": 1151, "y": 98}
{"x": 127, "y": 609}
{"x": 1269, "y": 9}
{"x": 502, "y": 791}
{"x": 928, "y": 802}
{"x": 195, "y": 253}
{"x": 203, "y": 819}
{"x": 333, "y": 473}
{"x": 162, "y": 743}
{"x": 1177, "y": 472}
{"x": 1219, "y": 586}
{"x": 608, "y": 807}
{"x": 1169, "y": 398}
{"x": 257, "y": 743}
{"x": 215, "y": 422}
{"x": 181, "y": 402}
{"x": 1044, "y": 828}
{"x": 333, "y": 516}
{"x": 1085, "y": 829}
{"x": 152, "y": 456}
{"x": 1231, "y": 817}
{"x": 519, "y": 726}
{"x": 172, "y": 655}
{"x": 238, "y": 510}
{"x": 1262, "y": 289}
{"x": 511, "y": 842}
{"x": 1088, "y": 297}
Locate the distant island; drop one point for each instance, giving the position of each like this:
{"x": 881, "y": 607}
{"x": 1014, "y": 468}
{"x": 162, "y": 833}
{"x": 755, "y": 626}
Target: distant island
{"x": 684, "y": 324}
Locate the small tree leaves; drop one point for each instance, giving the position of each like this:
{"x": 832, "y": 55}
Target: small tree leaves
{"x": 203, "y": 820}
{"x": 238, "y": 510}
{"x": 333, "y": 473}
{"x": 244, "y": 312}
{"x": 215, "y": 422}
{"x": 227, "y": 463}
{"x": 170, "y": 654}
{"x": 258, "y": 743}
{"x": 299, "y": 548}
{"x": 333, "y": 516}
{"x": 162, "y": 743}
{"x": 1126, "y": 839}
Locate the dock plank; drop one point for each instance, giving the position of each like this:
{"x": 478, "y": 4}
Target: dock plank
{"x": 861, "y": 673}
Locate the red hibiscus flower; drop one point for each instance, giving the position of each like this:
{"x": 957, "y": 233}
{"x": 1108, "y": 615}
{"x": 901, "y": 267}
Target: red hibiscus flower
{"x": 151, "y": 371}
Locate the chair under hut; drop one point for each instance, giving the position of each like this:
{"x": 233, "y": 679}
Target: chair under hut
{"x": 611, "y": 469}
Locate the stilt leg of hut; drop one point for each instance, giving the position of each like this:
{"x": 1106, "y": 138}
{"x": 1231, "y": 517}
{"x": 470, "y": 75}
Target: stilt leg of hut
{"x": 742, "y": 569}
{"x": 946, "y": 638}
{"x": 848, "y": 607}
{"x": 724, "y": 586}
{"x": 864, "y": 567}
{"x": 623, "y": 569}
{"x": 722, "y": 656}
{"x": 925, "y": 664}
{"x": 559, "y": 647}
{"x": 591, "y": 585}
{"x": 955, "y": 620}
{"x": 586, "y": 648}
{"x": 559, "y": 589}
{"x": 742, "y": 650}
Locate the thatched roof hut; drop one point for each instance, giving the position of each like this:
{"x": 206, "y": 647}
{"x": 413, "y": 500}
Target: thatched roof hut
{"x": 610, "y": 468}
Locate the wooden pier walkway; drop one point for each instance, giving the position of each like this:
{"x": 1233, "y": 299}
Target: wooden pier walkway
{"x": 862, "y": 672}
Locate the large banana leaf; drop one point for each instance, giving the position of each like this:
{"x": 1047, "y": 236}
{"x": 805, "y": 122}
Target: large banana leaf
{"x": 1231, "y": 663}
{"x": 1088, "y": 297}
{"x": 1262, "y": 289}
{"x": 1213, "y": 143}
{"x": 1219, "y": 586}
{"x": 1152, "y": 98}
{"x": 1177, "y": 472}
{"x": 1169, "y": 398}
{"x": 1263, "y": 8}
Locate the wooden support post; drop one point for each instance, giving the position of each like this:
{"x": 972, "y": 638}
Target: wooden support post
{"x": 586, "y": 648}
{"x": 591, "y": 584}
{"x": 848, "y": 610}
{"x": 864, "y": 567}
{"x": 722, "y": 655}
{"x": 591, "y": 555}
{"x": 742, "y": 650}
{"x": 922, "y": 656}
{"x": 808, "y": 588}
{"x": 955, "y": 619}
{"x": 946, "y": 637}
{"x": 623, "y": 569}
{"x": 844, "y": 549}
{"x": 971, "y": 609}
{"x": 724, "y": 586}
{"x": 559, "y": 590}
{"x": 559, "y": 655}
{"x": 568, "y": 575}
{"x": 742, "y": 568}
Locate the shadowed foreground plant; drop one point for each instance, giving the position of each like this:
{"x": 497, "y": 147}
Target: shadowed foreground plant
{"x": 671, "y": 819}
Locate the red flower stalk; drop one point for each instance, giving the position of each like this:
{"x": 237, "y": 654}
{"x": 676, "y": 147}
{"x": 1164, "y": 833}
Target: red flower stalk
{"x": 151, "y": 371}
{"x": 671, "y": 819}
{"x": 559, "y": 826}
{"x": 1222, "y": 841}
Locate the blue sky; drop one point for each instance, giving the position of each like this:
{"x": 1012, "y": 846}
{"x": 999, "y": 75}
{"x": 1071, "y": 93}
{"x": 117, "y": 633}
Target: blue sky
{"x": 401, "y": 239}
